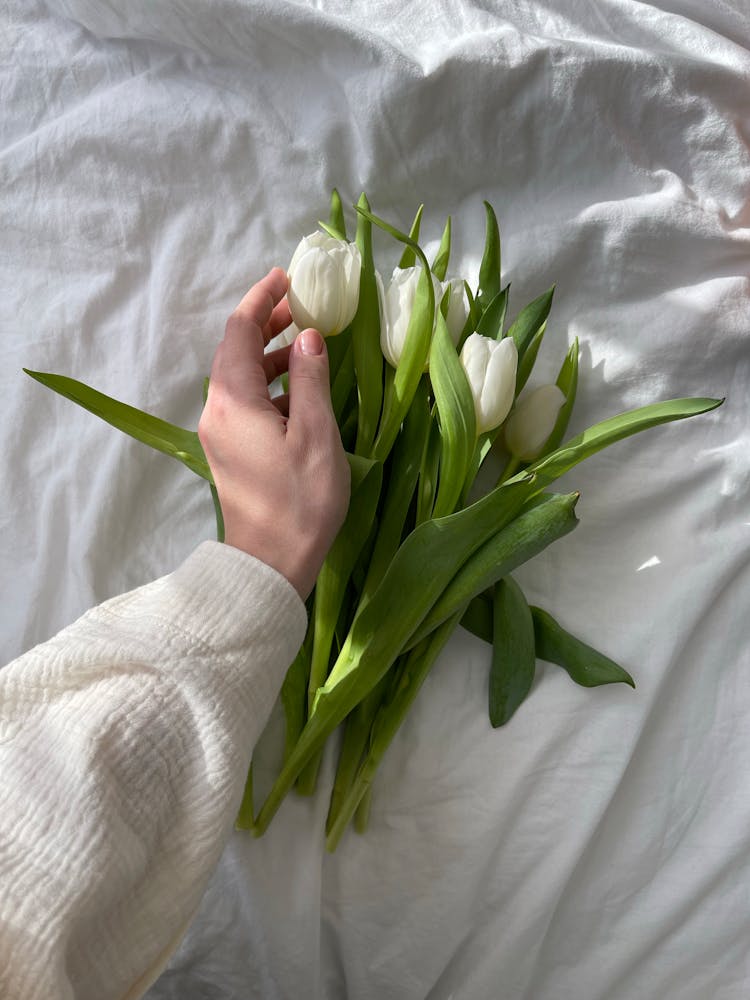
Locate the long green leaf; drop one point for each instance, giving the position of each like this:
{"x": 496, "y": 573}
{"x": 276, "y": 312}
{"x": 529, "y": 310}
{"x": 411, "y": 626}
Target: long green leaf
{"x": 330, "y": 587}
{"x": 429, "y": 472}
{"x": 567, "y": 382}
{"x": 477, "y": 618}
{"x": 513, "y": 652}
{"x": 527, "y": 362}
{"x": 382, "y": 627}
{"x": 440, "y": 264}
{"x": 367, "y": 477}
{"x": 515, "y": 543}
{"x": 530, "y": 320}
{"x": 586, "y": 666}
{"x": 455, "y": 405}
{"x": 403, "y": 473}
{"x": 489, "y": 269}
{"x": 409, "y": 257}
{"x": 336, "y": 223}
{"x": 165, "y": 437}
{"x": 493, "y": 318}
{"x": 368, "y": 357}
{"x": 614, "y": 429}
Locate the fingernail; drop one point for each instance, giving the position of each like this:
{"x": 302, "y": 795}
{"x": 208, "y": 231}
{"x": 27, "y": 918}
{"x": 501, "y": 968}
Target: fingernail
{"x": 310, "y": 342}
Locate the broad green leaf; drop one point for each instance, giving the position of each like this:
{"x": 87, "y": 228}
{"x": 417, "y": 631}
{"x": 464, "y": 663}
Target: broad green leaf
{"x": 513, "y": 653}
{"x": 165, "y": 437}
{"x": 617, "y": 428}
{"x": 440, "y": 264}
{"x": 530, "y": 320}
{"x": 409, "y": 257}
{"x": 477, "y": 618}
{"x": 336, "y": 222}
{"x": 368, "y": 357}
{"x": 366, "y": 482}
{"x": 381, "y": 628}
{"x": 330, "y": 587}
{"x": 513, "y": 544}
{"x": 493, "y": 317}
{"x": 402, "y": 478}
{"x": 455, "y": 405}
{"x": 567, "y": 382}
{"x": 489, "y": 269}
{"x": 585, "y": 665}
{"x": 527, "y": 362}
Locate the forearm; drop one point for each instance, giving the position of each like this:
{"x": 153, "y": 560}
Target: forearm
{"x": 124, "y": 747}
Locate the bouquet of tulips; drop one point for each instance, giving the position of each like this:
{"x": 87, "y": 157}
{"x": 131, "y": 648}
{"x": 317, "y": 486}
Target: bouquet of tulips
{"x": 426, "y": 378}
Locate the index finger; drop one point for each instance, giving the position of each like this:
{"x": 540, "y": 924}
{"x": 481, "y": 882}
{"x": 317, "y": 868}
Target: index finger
{"x": 256, "y": 306}
{"x": 239, "y": 363}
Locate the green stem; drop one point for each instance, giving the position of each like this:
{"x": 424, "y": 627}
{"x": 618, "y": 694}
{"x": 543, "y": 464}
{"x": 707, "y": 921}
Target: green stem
{"x": 388, "y": 721}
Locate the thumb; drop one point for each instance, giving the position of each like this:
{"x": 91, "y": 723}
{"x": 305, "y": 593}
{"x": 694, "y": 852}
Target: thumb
{"x": 309, "y": 386}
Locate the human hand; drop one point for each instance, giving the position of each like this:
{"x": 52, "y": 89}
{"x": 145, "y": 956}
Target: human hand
{"x": 278, "y": 465}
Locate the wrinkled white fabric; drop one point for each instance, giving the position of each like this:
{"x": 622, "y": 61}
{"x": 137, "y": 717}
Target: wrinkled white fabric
{"x": 155, "y": 158}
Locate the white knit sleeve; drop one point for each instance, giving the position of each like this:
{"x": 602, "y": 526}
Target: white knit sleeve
{"x": 124, "y": 747}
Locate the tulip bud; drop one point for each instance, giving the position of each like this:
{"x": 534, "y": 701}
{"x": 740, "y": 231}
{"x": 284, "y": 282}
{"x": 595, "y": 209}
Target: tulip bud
{"x": 324, "y": 283}
{"x": 490, "y": 367}
{"x": 532, "y": 422}
{"x": 396, "y": 304}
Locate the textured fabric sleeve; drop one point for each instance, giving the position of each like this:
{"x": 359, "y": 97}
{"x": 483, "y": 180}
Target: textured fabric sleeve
{"x": 124, "y": 746}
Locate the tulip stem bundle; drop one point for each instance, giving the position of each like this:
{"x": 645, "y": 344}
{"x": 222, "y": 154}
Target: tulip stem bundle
{"x": 425, "y": 380}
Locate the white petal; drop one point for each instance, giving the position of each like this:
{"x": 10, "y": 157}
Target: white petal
{"x": 499, "y": 383}
{"x": 313, "y": 291}
{"x": 532, "y": 422}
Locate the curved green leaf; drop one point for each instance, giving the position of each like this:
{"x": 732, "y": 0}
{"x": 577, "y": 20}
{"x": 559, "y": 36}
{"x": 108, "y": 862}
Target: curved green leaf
{"x": 336, "y": 223}
{"x": 586, "y": 666}
{"x": 156, "y": 433}
{"x": 409, "y": 257}
{"x": 440, "y": 264}
{"x": 567, "y": 382}
{"x": 515, "y": 543}
{"x": 493, "y": 318}
{"x": 527, "y": 362}
{"x": 530, "y": 320}
{"x": 614, "y": 429}
{"x": 455, "y": 405}
{"x": 489, "y": 269}
{"x": 381, "y": 628}
{"x": 513, "y": 651}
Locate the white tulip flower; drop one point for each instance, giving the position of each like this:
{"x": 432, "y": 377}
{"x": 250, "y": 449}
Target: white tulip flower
{"x": 396, "y": 304}
{"x": 324, "y": 283}
{"x": 532, "y": 422}
{"x": 490, "y": 367}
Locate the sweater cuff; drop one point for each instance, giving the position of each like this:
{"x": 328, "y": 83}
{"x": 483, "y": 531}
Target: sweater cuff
{"x": 227, "y": 598}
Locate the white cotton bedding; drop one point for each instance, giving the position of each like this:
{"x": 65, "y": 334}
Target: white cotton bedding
{"x": 155, "y": 159}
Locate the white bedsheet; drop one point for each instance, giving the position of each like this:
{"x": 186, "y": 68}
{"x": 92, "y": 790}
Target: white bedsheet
{"x": 155, "y": 159}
